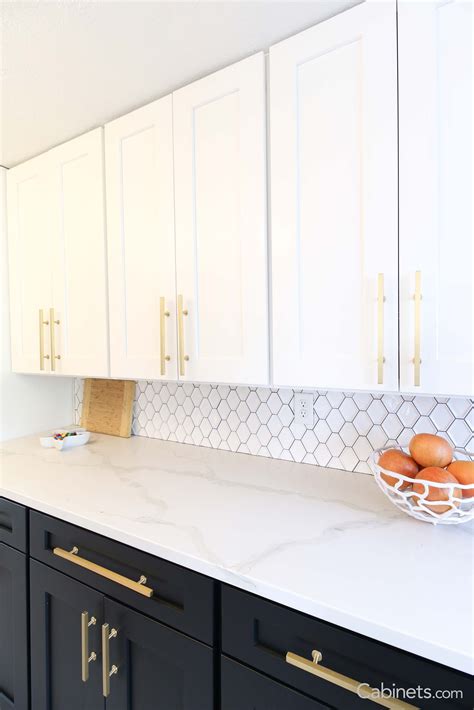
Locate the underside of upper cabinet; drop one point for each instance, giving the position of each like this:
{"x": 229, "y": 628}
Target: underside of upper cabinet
{"x": 333, "y": 117}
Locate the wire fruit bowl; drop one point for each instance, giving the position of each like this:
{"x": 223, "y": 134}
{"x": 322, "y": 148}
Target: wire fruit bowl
{"x": 460, "y": 509}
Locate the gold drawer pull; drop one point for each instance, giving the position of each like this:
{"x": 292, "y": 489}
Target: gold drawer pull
{"x": 417, "y": 358}
{"x": 181, "y": 313}
{"x": 380, "y": 328}
{"x": 52, "y": 323}
{"x": 164, "y": 358}
{"x": 42, "y": 322}
{"x": 73, "y": 557}
{"x": 107, "y": 670}
{"x": 86, "y": 657}
{"x": 343, "y": 681}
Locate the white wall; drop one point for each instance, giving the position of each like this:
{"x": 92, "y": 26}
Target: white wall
{"x": 28, "y": 403}
{"x": 72, "y": 66}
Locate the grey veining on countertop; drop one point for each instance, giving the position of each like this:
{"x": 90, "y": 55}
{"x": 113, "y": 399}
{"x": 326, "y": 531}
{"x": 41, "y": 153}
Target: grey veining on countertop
{"x": 322, "y": 541}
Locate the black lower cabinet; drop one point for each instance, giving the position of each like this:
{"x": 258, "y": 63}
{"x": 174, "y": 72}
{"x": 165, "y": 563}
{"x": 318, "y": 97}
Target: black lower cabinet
{"x": 13, "y": 629}
{"x": 85, "y": 637}
{"x": 56, "y": 607}
{"x": 279, "y": 643}
{"x": 158, "y": 668}
{"x": 245, "y": 689}
{"x": 139, "y": 664}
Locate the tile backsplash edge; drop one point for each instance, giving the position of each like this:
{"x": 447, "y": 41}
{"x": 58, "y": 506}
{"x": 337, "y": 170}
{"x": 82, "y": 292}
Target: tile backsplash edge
{"x": 260, "y": 421}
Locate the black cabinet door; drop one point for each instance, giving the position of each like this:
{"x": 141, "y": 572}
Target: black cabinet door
{"x": 56, "y": 606}
{"x": 13, "y": 630}
{"x": 158, "y": 668}
{"x": 244, "y": 689}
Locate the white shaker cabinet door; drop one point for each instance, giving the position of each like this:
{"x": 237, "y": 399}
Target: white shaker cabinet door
{"x": 333, "y": 115}
{"x": 30, "y": 227}
{"x": 140, "y": 239}
{"x": 220, "y": 197}
{"x": 79, "y": 339}
{"x": 436, "y": 188}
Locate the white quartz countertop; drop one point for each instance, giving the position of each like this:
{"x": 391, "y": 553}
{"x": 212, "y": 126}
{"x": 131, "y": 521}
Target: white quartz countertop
{"x": 321, "y": 541}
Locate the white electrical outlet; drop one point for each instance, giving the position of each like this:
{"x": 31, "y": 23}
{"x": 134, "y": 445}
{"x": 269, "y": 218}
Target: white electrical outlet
{"x": 303, "y": 403}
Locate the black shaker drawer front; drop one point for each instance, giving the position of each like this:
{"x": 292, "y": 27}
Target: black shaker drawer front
{"x": 172, "y": 594}
{"x": 244, "y": 689}
{"x": 13, "y": 524}
{"x": 261, "y": 634}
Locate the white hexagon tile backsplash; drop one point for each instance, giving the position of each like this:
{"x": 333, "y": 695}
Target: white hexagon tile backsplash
{"x": 347, "y": 426}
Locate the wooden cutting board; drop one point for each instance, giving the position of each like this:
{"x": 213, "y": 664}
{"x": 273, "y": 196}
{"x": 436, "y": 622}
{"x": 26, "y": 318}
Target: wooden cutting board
{"x": 107, "y": 406}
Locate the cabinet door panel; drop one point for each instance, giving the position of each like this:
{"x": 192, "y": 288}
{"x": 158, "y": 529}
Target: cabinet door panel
{"x": 157, "y": 667}
{"x": 56, "y": 606}
{"x": 30, "y": 225}
{"x": 219, "y": 147}
{"x": 13, "y": 630}
{"x": 140, "y": 238}
{"x": 436, "y": 227}
{"x": 79, "y": 274}
{"x": 333, "y": 93}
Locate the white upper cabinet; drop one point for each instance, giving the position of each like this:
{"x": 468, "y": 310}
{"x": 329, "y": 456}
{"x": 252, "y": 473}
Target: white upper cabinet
{"x": 140, "y": 238}
{"x": 30, "y": 229}
{"x": 333, "y": 116}
{"x": 436, "y": 187}
{"x": 56, "y": 226}
{"x": 220, "y": 199}
{"x": 79, "y": 258}
{"x": 187, "y": 208}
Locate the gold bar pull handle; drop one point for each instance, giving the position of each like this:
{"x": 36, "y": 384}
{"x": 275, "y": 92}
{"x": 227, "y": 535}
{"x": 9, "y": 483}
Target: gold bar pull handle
{"x": 164, "y": 358}
{"x": 380, "y": 328}
{"x": 417, "y": 358}
{"x": 181, "y": 313}
{"x": 72, "y": 556}
{"x": 52, "y": 323}
{"x": 42, "y": 322}
{"x": 107, "y": 670}
{"x": 363, "y": 690}
{"x": 86, "y": 657}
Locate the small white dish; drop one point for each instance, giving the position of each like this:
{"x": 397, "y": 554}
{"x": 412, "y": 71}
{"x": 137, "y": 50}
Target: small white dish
{"x": 69, "y": 442}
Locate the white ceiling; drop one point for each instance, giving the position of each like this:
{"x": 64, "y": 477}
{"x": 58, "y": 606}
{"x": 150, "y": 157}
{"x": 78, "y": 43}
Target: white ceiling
{"x": 70, "y": 66}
